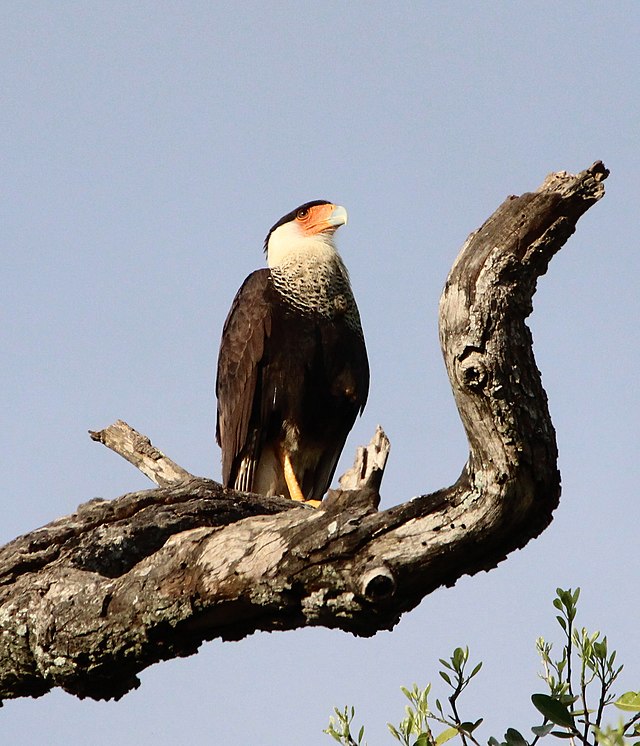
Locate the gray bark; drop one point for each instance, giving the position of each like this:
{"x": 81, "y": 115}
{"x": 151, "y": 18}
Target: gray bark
{"x": 91, "y": 599}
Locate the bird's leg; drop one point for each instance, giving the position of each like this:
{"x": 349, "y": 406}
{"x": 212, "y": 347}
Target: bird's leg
{"x": 295, "y": 493}
{"x": 292, "y": 483}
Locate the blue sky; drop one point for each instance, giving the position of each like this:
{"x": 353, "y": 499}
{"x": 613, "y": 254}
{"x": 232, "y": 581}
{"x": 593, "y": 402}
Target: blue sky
{"x": 146, "y": 150}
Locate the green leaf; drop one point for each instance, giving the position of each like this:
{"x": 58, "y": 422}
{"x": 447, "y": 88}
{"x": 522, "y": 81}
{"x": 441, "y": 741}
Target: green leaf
{"x": 562, "y": 622}
{"x": 553, "y": 710}
{"x": 360, "y": 734}
{"x": 394, "y": 732}
{"x": 459, "y": 658}
{"x": 468, "y": 727}
{"x": 475, "y": 670}
{"x": 600, "y": 648}
{"x": 629, "y": 702}
{"x": 542, "y": 730}
{"x": 514, "y": 738}
{"x": 446, "y": 735}
{"x": 423, "y": 740}
{"x": 562, "y": 734}
{"x": 446, "y": 677}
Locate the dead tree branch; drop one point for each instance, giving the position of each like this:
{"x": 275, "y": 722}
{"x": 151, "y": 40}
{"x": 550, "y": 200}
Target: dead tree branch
{"x": 138, "y": 450}
{"x": 89, "y": 600}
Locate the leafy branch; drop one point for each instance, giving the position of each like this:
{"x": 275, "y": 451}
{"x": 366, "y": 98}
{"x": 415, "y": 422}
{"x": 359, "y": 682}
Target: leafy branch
{"x": 585, "y": 666}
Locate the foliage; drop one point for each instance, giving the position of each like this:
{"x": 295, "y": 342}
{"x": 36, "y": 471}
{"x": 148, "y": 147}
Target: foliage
{"x": 580, "y": 689}
{"x": 340, "y": 728}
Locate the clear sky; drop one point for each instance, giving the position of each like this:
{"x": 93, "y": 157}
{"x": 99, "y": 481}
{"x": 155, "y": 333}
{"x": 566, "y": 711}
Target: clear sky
{"x": 147, "y": 147}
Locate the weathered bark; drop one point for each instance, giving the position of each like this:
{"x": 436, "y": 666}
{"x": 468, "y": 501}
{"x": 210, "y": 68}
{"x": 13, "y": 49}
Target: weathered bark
{"x": 138, "y": 450}
{"x": 91, "y": 599}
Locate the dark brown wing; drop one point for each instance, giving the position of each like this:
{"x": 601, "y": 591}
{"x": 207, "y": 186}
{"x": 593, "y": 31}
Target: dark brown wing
{"x": 241, "y": 349}
{"x": 347, "y": 372}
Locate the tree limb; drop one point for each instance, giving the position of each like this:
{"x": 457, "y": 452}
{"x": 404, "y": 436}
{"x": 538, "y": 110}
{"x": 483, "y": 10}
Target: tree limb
{"x": 138, "y": 450}
{"x": 89, "y": 600}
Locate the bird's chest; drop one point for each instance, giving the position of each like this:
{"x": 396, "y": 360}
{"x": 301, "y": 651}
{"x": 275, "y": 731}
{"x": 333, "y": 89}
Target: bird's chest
{"x": 314, "y": 289}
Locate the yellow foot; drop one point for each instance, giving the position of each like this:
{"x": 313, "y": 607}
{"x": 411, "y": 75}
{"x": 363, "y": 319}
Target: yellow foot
{"x": 292, "y": 483}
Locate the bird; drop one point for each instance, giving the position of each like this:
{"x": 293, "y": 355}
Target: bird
{"x": 293, "y": 371}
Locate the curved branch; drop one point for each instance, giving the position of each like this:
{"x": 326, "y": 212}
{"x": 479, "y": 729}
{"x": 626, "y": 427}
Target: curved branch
{"x": 91, "y": 599}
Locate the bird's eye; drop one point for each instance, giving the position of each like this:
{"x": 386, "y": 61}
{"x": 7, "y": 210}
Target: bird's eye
{"x": 302, "y": 214}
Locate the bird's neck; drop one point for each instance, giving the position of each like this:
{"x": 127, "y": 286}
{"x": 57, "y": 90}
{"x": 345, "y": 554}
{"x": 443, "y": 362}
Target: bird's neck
{"x": 317, "y": 283}
{"x": 287, "y": 249}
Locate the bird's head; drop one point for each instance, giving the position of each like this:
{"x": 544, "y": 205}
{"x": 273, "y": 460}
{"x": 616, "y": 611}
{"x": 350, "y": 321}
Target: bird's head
{"x": 308, "y": 228}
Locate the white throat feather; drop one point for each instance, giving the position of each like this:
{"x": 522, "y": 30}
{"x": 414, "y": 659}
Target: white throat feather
{"x": 310, "y": 275}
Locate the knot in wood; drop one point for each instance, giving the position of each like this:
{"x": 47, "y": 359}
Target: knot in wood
{"x": 472, "y": 371}
{"x": 377, "y": 583}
